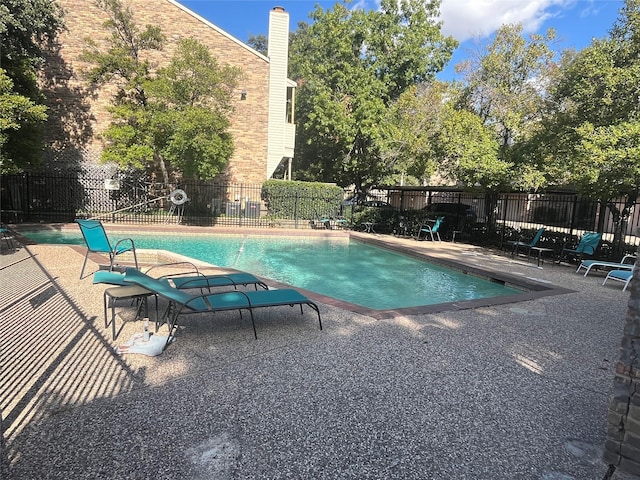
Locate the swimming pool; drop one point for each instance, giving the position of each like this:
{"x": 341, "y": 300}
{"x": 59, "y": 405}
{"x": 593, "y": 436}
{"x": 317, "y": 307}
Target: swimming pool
{"x": 341, "y": 268}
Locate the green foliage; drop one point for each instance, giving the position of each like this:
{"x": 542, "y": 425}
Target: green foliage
{"x": 607, "y": 160}
{"x": 293, "y": 199}
{"x": 409, "y": 129}
{"x": 173, "y": 119}
{"x": 27, "y": 27}
{"x": 20, "y": 125}
{"x": 469, "y": 151}
{"x": 505, "y": 85}
{"x": 588, "y": 137}
{"x": 122, "y": 63}
{"x": 259, "y": 43}
{"x": 350, "y": 65}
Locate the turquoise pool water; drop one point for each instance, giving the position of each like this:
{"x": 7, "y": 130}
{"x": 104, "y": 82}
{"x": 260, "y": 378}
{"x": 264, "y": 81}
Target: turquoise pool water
{"x": 345, "y": 269}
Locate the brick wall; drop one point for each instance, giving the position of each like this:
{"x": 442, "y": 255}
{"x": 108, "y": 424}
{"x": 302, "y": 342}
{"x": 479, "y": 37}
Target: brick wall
{"x": 78, "y": 116}
{"x": 622, "y": 445}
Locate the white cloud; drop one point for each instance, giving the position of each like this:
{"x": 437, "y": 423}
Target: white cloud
{"x": 465, "y": 19}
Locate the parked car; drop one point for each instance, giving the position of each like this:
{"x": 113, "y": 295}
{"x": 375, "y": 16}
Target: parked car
{"x": 352, "y": 201}
{"x": 457, "y": 216}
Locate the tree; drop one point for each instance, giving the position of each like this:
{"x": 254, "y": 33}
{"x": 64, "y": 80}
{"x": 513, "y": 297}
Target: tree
{"x": 409, "y": 129}
{"x": 175, "y": 118}
{"x": 350, "y": 66}
{"x": 506, "y": 85}
{"x": 259, "y": 43}
{"x": 591, "y": 135}
{"x": 431, "y": 135}
{"x": 26, "y": 28}
{"x": 468, "y": 151}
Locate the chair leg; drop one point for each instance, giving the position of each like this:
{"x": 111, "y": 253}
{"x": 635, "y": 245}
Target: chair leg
{"x": 84, "y": 264}
{"x": 253, "y": 324}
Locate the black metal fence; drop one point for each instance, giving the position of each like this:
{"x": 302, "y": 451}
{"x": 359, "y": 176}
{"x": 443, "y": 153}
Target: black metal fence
{"x": 128, "y": 197}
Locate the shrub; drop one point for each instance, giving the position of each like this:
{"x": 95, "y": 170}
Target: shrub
{"x": 293, "y": 199}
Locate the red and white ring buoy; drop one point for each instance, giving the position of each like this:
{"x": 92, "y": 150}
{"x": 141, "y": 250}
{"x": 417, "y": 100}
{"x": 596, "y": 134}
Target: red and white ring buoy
{"x": 178, "y": 197}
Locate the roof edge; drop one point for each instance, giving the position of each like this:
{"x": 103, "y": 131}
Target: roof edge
{"x": 218, "y": 29}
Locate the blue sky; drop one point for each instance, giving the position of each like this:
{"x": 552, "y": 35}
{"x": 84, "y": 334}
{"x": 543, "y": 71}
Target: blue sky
{"x": 576, "y": 21}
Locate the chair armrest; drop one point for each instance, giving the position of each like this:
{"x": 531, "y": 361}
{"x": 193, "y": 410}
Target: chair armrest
{"x": 116, "y": 248}
{"x": 192, "y": 266}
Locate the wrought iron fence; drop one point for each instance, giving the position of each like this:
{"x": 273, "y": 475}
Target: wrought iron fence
{"x": 129, "y": 197}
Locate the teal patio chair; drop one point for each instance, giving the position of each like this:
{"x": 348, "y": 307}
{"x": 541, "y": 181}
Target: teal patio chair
{"x": 98, "y": 242}
{"x": 431, "y": 230}
{"x": 527, "y": 245}
{"x": 587, "y": 247}
{"x": 181, "y": 302}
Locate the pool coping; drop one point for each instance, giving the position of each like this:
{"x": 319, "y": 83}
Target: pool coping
{"x": 533, "y": 289}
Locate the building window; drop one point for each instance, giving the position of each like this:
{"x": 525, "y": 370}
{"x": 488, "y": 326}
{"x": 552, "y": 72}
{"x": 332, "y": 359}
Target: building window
{"x": 290, "y": 104}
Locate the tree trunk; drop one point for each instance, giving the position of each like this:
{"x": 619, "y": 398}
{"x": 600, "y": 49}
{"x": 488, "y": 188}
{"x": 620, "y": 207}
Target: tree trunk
{"x": 162, "y": 167}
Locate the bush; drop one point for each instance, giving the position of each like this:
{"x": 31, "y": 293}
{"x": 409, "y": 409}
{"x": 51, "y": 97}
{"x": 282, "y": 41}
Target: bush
{"x": 293, "y": 199}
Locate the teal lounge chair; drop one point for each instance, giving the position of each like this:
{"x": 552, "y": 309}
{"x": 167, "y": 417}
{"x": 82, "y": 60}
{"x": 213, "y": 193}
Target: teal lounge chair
{"x": 8, "y": 237}
{"x": 587, "y": 247}
{"x": 430, "y": 230}
{"x": 98, "y": 242}
{"x": 182, "y": 302}
{"x": 624, "y": 276}
{"x": 627, "y": 263}
{"x": 527, "y": 245}
{"x": 193, "y": 279}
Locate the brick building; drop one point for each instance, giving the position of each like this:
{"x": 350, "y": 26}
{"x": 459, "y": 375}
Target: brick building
{"x": 262, "y": 123}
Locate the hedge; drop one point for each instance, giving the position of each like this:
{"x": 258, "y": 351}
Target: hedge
{"x": 307, "y": 200}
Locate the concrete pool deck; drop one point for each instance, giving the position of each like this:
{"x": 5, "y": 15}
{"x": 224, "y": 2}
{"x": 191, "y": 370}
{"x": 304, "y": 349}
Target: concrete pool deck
{"x": 502, "y": 391}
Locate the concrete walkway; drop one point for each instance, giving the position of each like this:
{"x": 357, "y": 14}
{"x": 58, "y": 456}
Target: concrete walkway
{"x": 516, "y": 391}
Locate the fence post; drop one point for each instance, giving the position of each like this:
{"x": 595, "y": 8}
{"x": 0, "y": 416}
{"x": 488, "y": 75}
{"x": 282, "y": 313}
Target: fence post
{"x": 295, "y": 210}
{"x": 504, "y": 217}
{"x": 29, "y": 201}
{"x": 573, "y": 214}
{"x": 241, "y": 200}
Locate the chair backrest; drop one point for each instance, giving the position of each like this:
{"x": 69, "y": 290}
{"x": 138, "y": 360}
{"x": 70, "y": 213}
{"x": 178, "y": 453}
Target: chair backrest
{"x": 436, "y": 225}
{"x": 95, "y": 236}
{"x": 537, "y": 236}
{"x": 161, "y": 287}
{"x": 589, "y": 243}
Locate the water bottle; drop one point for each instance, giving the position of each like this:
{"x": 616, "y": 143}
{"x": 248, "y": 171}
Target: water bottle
{"x": 146, "y": 334}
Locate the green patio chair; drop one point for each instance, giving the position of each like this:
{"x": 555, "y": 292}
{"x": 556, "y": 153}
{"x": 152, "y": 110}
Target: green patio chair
{"x": 98, "y": 242}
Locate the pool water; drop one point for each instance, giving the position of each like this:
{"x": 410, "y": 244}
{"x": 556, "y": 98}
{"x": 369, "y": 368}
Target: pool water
{"x": 344, "y": 269}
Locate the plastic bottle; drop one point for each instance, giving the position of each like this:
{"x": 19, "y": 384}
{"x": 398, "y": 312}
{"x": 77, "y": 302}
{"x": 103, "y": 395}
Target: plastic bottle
{"x": 146, "y": 333}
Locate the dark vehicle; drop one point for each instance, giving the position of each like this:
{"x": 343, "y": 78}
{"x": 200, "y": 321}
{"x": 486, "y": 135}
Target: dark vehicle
{"x": 457, "y": 216}
{"x": 352, "y": 201}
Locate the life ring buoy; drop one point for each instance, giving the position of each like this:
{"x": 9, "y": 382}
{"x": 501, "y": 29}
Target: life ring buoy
{"x": 178, "y": 197}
